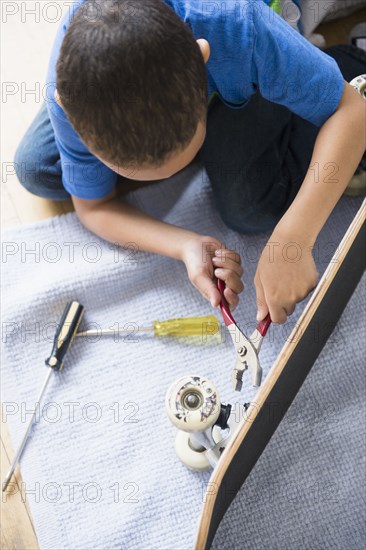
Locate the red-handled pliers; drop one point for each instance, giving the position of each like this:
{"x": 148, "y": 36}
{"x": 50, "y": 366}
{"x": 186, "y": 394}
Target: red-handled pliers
{"x": 247, "y": 349}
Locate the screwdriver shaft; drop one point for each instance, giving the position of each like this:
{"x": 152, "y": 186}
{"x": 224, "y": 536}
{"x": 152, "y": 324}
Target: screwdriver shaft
{"x": 26, "y": 435}
{"x": 111, "y": 331}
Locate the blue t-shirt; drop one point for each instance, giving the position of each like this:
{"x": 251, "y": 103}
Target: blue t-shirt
{"x": 251, "y": 48}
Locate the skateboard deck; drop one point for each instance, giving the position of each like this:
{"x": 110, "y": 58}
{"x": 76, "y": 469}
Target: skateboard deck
{"x": 284, "y": 379}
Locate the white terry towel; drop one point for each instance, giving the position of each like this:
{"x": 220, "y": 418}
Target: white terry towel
{"x": 100, "y": 470}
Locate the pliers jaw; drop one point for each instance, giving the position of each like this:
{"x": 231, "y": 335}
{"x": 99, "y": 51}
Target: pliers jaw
{"x": 247, "y": 349}
{"x": 246, "y": 358}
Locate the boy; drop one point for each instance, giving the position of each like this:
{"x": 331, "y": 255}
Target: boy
{"x": 282, "y": 138}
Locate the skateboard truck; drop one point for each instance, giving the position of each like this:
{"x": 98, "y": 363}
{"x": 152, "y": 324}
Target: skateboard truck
{"x": 247, "y": 349}
{"x": 205, "y": 425}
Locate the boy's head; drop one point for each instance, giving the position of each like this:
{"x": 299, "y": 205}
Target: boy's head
{"x": 132, "y": 81}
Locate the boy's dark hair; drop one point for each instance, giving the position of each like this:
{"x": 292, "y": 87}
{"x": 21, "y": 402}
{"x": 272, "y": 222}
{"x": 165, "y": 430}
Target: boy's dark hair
{"x": 132, "y": 80}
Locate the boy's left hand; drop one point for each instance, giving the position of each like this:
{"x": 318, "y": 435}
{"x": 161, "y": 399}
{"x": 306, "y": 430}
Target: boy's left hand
{"x": 286, "y": 273}
{"x": 206, "y": 257}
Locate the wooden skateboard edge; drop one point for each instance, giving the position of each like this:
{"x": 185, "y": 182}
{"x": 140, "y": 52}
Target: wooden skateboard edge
{"x": 204, "y": 534}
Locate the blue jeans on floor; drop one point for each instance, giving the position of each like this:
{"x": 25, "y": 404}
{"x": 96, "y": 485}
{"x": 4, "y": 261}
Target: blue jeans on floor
{"x": 256, "y": 157}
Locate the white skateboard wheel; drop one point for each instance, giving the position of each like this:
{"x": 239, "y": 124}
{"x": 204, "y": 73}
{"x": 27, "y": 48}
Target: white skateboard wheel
{"x": 359, "y": 84}
{"x": 192, "y": 404}
{"x": 194, "y": 460}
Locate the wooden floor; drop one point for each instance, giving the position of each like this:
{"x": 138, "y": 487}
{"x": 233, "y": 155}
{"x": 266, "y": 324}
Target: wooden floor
{"x": 28, "y": 43}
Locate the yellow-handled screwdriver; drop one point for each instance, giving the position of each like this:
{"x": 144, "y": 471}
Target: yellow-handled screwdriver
{"x": 185, "y": 326}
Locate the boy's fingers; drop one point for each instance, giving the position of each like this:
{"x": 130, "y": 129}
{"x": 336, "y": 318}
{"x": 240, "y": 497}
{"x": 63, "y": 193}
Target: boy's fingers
{"x": 289, "y": 308}
{"x": 226, "y": 254}
{"x": 278, "y": 314}
{"x": 207, "y": 288}
{"x": 228, "y": 263}
{"x": 231, "y": 297}
{"x": 280, "y": 311}
{"x": 232, "y": 280}
{"x": 262, "y": 308}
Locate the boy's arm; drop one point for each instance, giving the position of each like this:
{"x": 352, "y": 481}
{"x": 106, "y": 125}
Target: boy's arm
{"x": 118, "y": 222}
{"x": 286, "y": 272}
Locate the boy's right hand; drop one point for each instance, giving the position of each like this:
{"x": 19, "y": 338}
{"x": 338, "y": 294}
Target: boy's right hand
{"x": 206, "y": 257}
